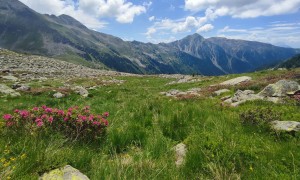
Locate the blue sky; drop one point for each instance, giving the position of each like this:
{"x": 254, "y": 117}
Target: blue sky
{"x": 272, "y": 21}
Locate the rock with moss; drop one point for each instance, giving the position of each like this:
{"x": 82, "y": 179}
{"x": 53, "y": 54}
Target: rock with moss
{"x": 65, "y": 173}
{"x": 279, "y": 89}
{"x": 287, "y": 126}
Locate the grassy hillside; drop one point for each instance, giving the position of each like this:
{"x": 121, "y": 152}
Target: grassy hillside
{"x": 144, "y": 126}
{"x": 293, "y": 62}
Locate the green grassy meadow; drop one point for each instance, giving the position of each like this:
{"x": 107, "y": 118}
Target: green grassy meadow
{"x": 144, "y": 126}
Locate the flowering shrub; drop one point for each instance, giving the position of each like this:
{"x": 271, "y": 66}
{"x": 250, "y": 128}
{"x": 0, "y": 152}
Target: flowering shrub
{"x": 74, "y": 122}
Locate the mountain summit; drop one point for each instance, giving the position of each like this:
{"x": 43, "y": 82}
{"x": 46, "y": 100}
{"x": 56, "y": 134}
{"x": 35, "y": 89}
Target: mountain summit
{"x": 24, "y": 30}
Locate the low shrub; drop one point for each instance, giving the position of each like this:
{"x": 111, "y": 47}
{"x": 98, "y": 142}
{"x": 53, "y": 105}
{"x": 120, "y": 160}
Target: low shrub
{"x": 75, "y": 123}
{"x": 259, "y": 116}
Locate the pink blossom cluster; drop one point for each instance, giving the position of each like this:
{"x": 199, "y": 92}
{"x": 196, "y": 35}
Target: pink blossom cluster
{"x": 73, "y": 120}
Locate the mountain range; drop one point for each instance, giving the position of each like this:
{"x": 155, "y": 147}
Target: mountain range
{"x": 24, "y": 30}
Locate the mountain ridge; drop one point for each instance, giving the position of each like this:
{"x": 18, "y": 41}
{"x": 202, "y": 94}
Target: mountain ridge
{"x": 24, "y": 30}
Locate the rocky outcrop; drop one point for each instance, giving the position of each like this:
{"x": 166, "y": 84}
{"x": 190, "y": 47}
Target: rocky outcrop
{"x": 236, "y": 81}
{"x": 279, "y": 89}
{"x": 65, "y": 173}
{"x": 242, "y": 96}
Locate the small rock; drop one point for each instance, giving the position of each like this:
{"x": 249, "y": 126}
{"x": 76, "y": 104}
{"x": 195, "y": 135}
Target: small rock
{"x": 180, "y": 150}
{"x": 65, "y": 173}
{"x": 81, "y": 91}
{"x": 221, "y": 91}
{"x": 58, "y": 95}
{"x": 23, "y": 88}
{"x": 236, "y": 81}
{"x": 285, "y": 126}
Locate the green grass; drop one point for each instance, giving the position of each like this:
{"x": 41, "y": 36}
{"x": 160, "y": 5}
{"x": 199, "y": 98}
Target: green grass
{"x": 144, "y": 126}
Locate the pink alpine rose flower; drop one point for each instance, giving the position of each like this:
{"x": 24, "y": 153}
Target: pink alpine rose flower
{"x": 7, "y": 117}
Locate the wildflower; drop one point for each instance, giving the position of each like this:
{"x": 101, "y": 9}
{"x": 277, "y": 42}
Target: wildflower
{"x": 83, "y": 118}
{"x": 12, "y": 159}
{"x": 60, "y": 112}
{"x": 8, "y": 177}
{"x": 38, "y": 120}
{"x": 251, "y": 168}
{"x": 106, "y": 114}
{"x": 35, "y": 108}
{"x": 50, "y": 119}
{"x": 91, "y": 117}
{"x": 23, "y": 156}
{"x": 105, "y": 122}
{"x": 40, "y": 123}
{"x": 44, "y": 107}
{"x": 2, "y": 160}
{"x": 44, "y": 116}
{"x": 14, "y": 167}
{"x": 6, "y": 164}
{"x": 17, "y": 111}
{"x": 96, "y": 123}
{"x": 66, "y": 119}
{"x": 24, "y": 113}
{"x": 48, "y": 110}
{"x": 8, "y": 124}
{"x": 7, "y": 117}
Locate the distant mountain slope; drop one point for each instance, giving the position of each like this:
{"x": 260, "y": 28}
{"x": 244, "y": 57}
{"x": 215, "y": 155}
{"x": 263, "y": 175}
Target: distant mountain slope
{"x": 293, "y": 62}
{"x": 24, "y": 30}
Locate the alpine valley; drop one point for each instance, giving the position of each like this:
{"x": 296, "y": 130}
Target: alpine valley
{"x": 26, "y": 31}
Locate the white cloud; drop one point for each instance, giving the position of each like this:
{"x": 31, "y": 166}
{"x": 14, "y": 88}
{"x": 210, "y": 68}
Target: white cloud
{"x": 205, "y": 28}
{"x": 152, "y": 18}
{"x": 90, "y": 12}
{"x": 245, "y": 8}
{"x": 276, "y": 33}
{"x": 150, "y": 31}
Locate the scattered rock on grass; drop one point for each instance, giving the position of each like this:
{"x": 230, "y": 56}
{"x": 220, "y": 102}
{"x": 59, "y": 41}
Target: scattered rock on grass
{"x": 58, "y": 95}
{"x": 65, "y": 173}
{"x": 287, "y": 126}
{"x": 180, "y": 150}
{"x": 23, "y": 87}
{"x": 221, "y": 91}
{"x": 236, "y": 81}
{"x": 176, "y": 93}
{"x": 8, "y": 91}
{"x": 81, "y": 91}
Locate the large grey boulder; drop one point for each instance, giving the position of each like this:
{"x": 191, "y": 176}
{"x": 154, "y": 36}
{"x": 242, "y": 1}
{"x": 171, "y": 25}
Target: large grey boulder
{"x": 236, "y": 81}
{"x": 65, "y": 173}
{"x": 180, "y": 151}
{"x": 279, "y": 89}
{"x": 287, "y": 126}
{"x": 8, "y": 91}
